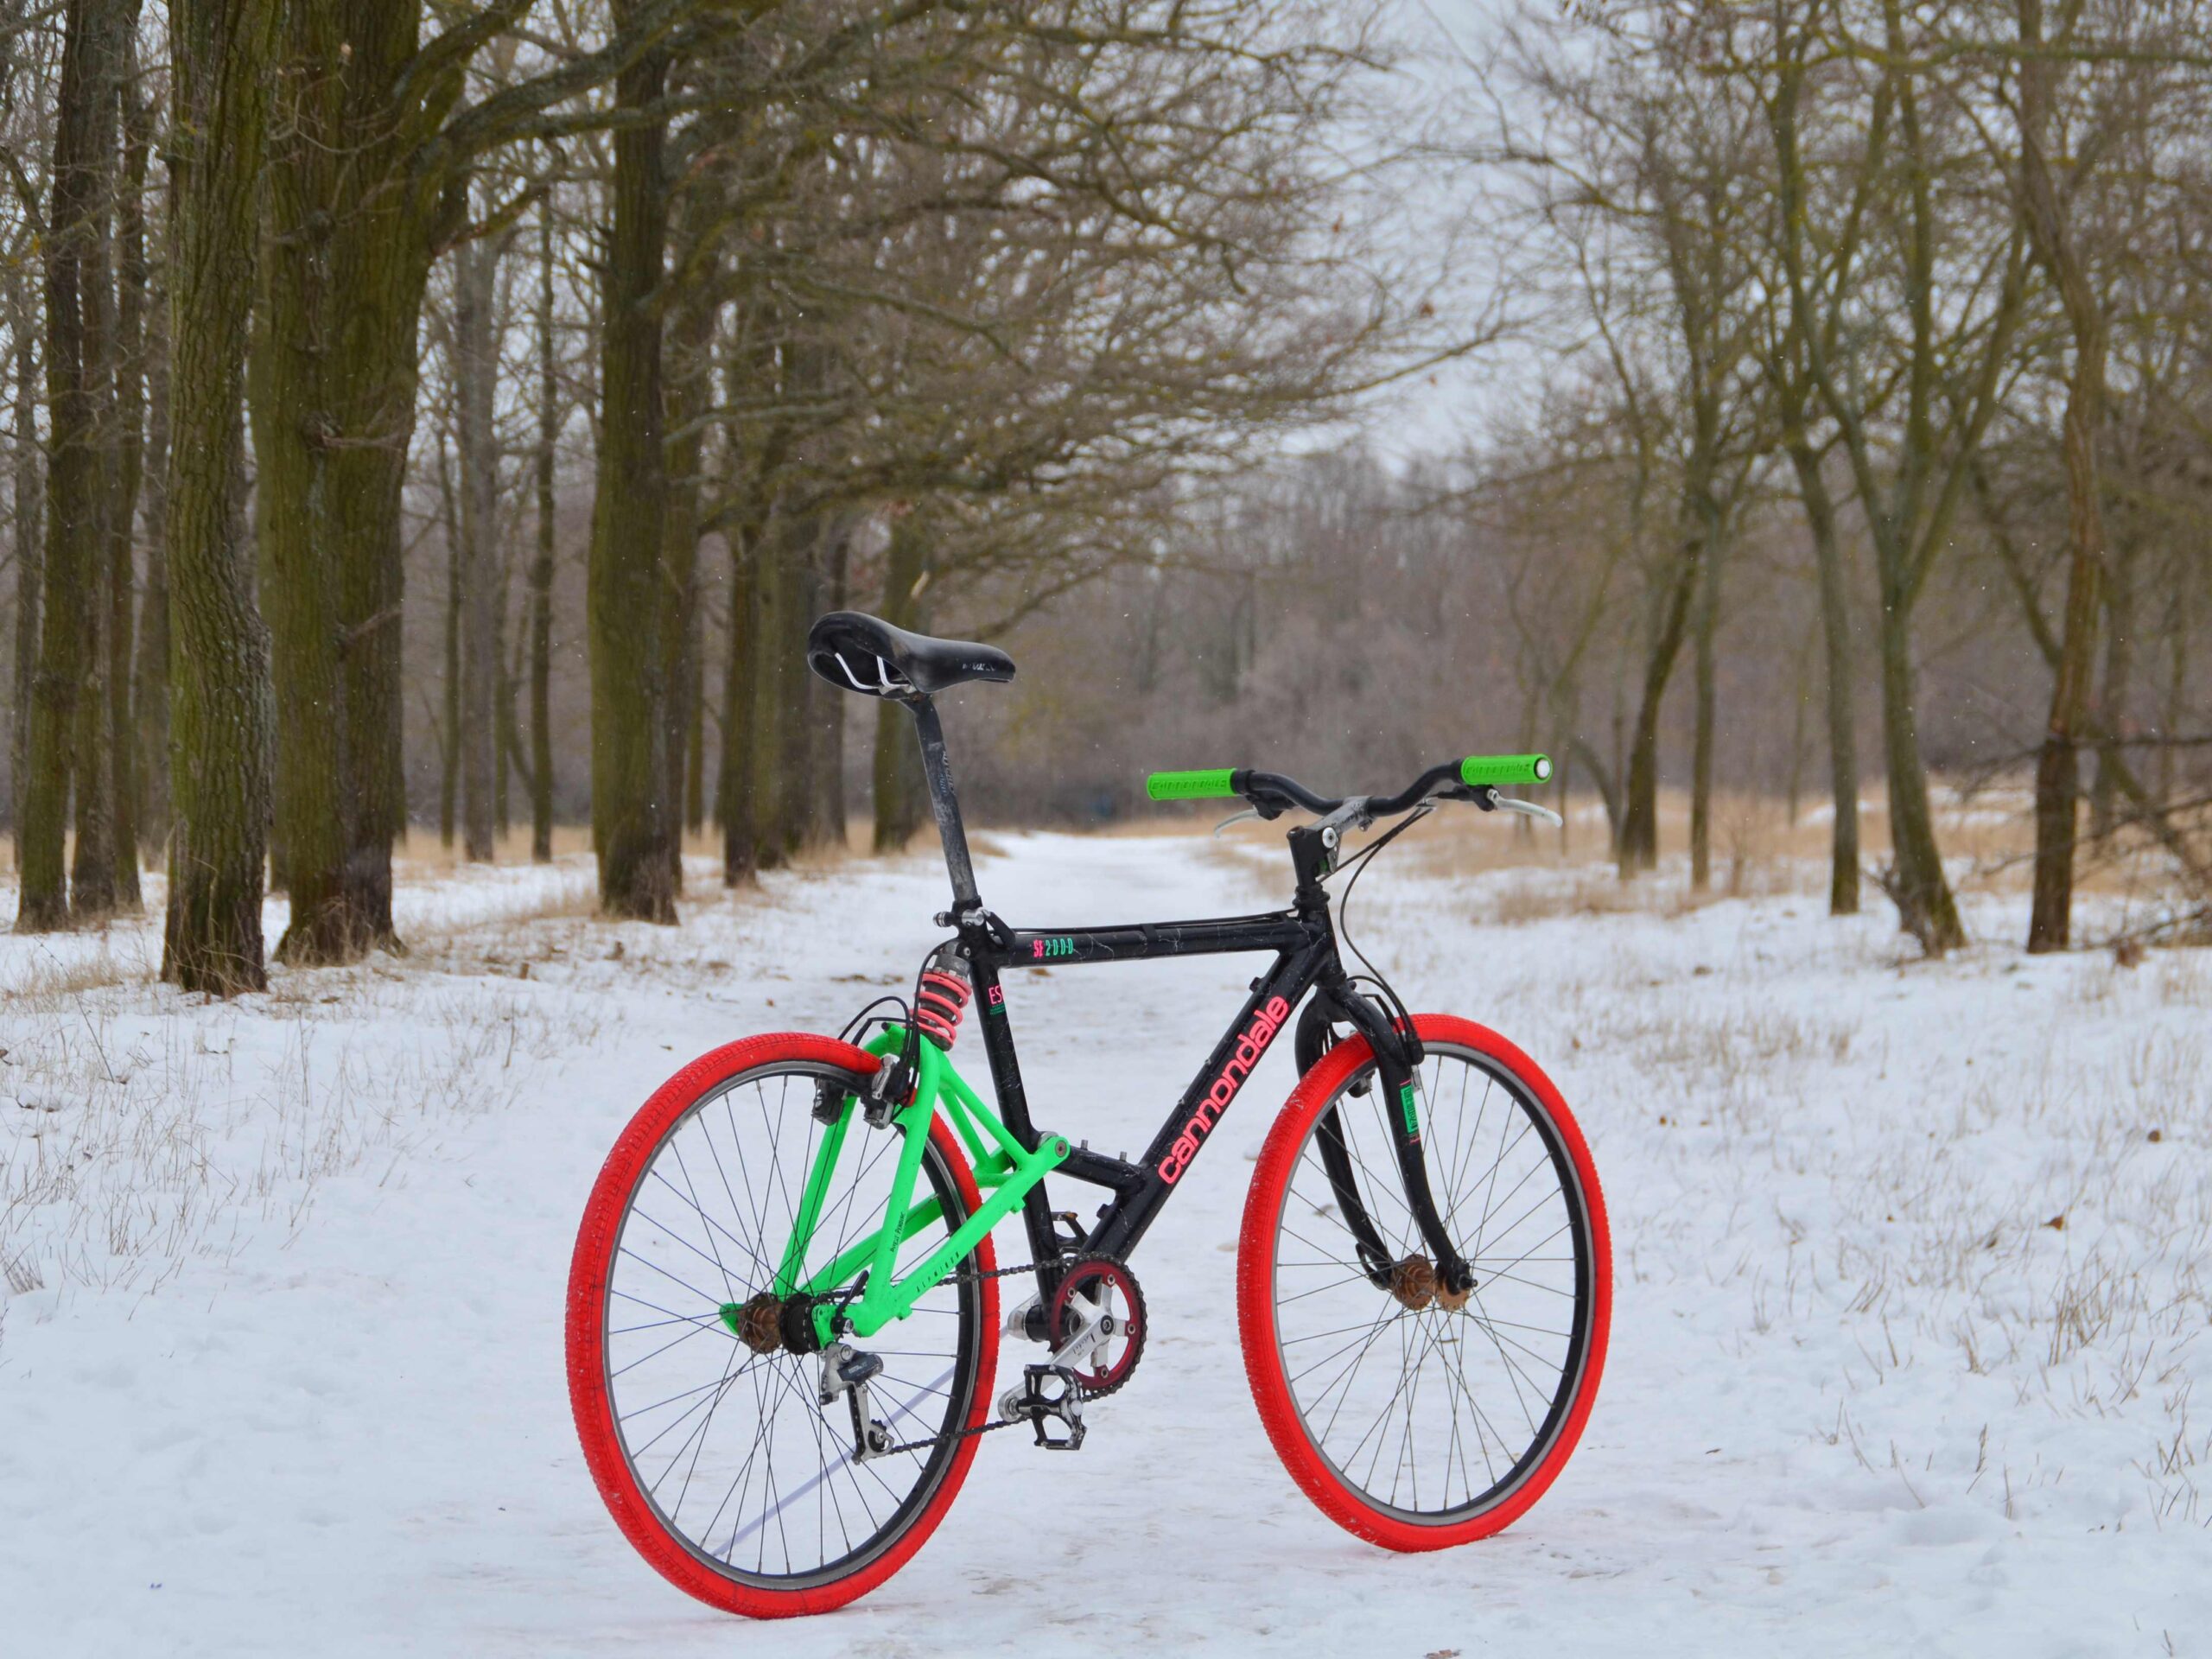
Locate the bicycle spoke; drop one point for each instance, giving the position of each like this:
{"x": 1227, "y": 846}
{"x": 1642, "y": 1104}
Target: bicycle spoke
{"x": 733, "y": 1449}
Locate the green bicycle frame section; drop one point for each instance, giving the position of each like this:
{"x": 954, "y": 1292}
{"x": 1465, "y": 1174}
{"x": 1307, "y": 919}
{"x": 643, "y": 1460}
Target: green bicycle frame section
{"x": 1004, "y": 1172}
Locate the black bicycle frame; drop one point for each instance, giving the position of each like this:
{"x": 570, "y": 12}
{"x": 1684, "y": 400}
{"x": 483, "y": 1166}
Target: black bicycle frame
{"x": 1303, "y": 939}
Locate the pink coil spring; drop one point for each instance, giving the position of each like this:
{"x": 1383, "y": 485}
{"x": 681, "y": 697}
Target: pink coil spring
{"x": 939, "y": 1005}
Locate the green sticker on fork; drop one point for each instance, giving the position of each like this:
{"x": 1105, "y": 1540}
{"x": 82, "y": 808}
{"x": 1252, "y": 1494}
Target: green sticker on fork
{"x": 1406, "y": 1105}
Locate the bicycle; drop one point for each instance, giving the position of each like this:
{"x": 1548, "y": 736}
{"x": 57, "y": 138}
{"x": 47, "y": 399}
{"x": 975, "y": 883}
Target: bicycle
{"x": 783, "y": 1319}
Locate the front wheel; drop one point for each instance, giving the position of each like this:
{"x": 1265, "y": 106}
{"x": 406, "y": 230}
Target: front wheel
{"x": 1421, "y": 1426}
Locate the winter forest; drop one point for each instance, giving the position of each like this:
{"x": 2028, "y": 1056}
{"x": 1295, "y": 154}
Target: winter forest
{"x": 447, "y": 420}
{"x": 428, "y": 432}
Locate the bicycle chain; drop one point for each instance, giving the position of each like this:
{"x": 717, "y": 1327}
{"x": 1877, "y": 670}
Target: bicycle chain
{"x": 1076, "y": 1391}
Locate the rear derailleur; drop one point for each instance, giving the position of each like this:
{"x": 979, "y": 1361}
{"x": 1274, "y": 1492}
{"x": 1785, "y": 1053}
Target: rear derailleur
{"x": 848, "y": 1371}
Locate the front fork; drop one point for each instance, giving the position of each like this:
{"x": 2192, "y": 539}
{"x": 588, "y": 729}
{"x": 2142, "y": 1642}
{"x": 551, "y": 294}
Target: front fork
{"x": 1397, "y": 1054}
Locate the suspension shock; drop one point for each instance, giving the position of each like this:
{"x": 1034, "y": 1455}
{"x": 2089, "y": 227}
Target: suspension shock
{"x": 942, "y": 996}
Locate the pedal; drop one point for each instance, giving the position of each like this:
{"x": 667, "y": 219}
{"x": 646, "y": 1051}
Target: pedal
{"x": 1048, "y": 1394}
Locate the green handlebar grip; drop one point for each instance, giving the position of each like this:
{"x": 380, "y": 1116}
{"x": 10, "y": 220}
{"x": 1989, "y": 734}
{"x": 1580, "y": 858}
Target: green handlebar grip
{"x": 1191, "y": 786}
{"x": 1476, "y": 769}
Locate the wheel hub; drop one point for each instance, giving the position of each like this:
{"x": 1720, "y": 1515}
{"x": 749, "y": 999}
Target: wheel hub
{"x": 1413, "y": 1281}
{"x": 758, "y": 1324}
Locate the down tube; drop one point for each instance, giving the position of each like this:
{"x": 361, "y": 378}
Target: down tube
{"x": 1167, "y": 1161}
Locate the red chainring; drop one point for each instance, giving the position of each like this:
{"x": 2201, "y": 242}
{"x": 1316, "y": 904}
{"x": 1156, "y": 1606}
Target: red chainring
{"x": 1096, "y": 1278}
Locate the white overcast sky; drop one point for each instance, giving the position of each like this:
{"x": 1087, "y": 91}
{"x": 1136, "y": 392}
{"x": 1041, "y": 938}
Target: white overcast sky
{"x": 1454, "y": 404}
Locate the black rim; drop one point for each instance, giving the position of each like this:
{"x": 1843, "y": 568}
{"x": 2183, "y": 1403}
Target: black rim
{"x": 1432, "y": 1415}
{"x": 733, "y": 1451}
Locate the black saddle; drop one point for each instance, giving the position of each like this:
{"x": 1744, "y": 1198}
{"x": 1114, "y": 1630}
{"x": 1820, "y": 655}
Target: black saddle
{"x": 862, "y": 653}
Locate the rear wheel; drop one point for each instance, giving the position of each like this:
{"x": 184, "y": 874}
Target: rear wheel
{"x": 721, "y": 1464}
{"x": 1419, "y": 1428}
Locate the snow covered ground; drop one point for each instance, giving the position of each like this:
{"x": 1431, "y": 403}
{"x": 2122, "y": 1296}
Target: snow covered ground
{"x": 1913, "y": 1283}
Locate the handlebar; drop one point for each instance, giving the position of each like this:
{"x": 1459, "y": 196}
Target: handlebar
{"x": 1271, "y": 793}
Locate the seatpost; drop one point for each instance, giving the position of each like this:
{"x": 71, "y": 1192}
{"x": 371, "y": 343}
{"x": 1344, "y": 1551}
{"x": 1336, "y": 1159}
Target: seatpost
{"x": 937, "y": 769}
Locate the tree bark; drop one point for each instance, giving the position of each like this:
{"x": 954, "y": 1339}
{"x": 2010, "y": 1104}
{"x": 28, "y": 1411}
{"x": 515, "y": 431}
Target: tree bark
{"x": 733, "y": 793}
{"x": 826, "y": 815}
{"x": 898, "y": 772}
{"x": 151, "y": 678}
{"x": 1842, "y": 680}
{"x": 450, "y": 684}
{"x": 782, "y": 742}
{"x": 1925, "y": 906}
{"x": 2115, "y": 695}
{"x": 695, "y": 741}
{"x": 223, "y": 53}
{"x": 68, "y": 702}
{"x": 633, "y": 815}
{"x": 690, "y": 380}
{"x": 28, "y": 526}
{"x": 129, "y": 458}
{"x": 1639, "y": 844}
{"x": 2052, "y": 235}
{"x": 476, "y": 383}
{"x": 541, "y": 569}
{"x": 352, "y": 226}
{"x": 1708, "y": 619}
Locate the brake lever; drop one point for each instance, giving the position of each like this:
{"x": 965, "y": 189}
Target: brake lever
{"x": 1249, "y": 812}
{"x": 1526, "y": 808}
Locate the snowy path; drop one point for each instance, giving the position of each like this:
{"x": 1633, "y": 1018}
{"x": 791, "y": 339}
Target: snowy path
{"x": 1861, "y": 1397}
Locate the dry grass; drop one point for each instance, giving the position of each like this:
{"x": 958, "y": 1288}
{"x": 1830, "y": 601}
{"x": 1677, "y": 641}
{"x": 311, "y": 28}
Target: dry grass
{"x": 133, "y": 1141}
{"x": 2048, "y": 1225}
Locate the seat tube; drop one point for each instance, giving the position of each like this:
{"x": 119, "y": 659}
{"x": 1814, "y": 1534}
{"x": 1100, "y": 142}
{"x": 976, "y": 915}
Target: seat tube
{"x": 1013, "y": 1105}
{"x": 936, "y": 772}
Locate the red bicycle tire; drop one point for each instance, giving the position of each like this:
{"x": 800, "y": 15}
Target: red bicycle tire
{"x": 587, "y": 1396}
{"x": 1263, "y": 1364}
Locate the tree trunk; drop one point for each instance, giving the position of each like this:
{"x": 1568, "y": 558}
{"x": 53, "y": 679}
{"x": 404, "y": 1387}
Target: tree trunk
{"x": 223, "y": 53}
{"x": 350, "y": 225}
{"x": 508, "y": 753}
{"x": 30, "y": 549}
{"x": 695, "y": 744}
{"x": 2058, "y": 772}
{"x": 826, "y": 814}
{"x": 1638, "y": 846}
{"x": 130, "y": 457}
{"x": 1842, "y": 680}
{"x": 2176, "y": 699}
{"x": 897, "y": 767}
{"x": 449, "y": 685}
{"x": 541, "y": 569}
{"x": 68, "y": 702}
{"x": 633, "y": 815}
{"x": 690, "y": 381}
{"x": 1708, "y": 618}
{"x": 2058, "y": 769}
{"x": 781, "y": 741}
{"x": 512, "y": 761}
{"x": 2115, "y": 719}
{"x": 151, "y": 679}
{"x": 734, "y": 785}
{"x": 476, "y": 370}
{"x": 1925, "y": 907}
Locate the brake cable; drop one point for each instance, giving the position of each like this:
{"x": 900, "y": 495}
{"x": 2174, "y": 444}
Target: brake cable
{"x": 1358, "y": 867}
